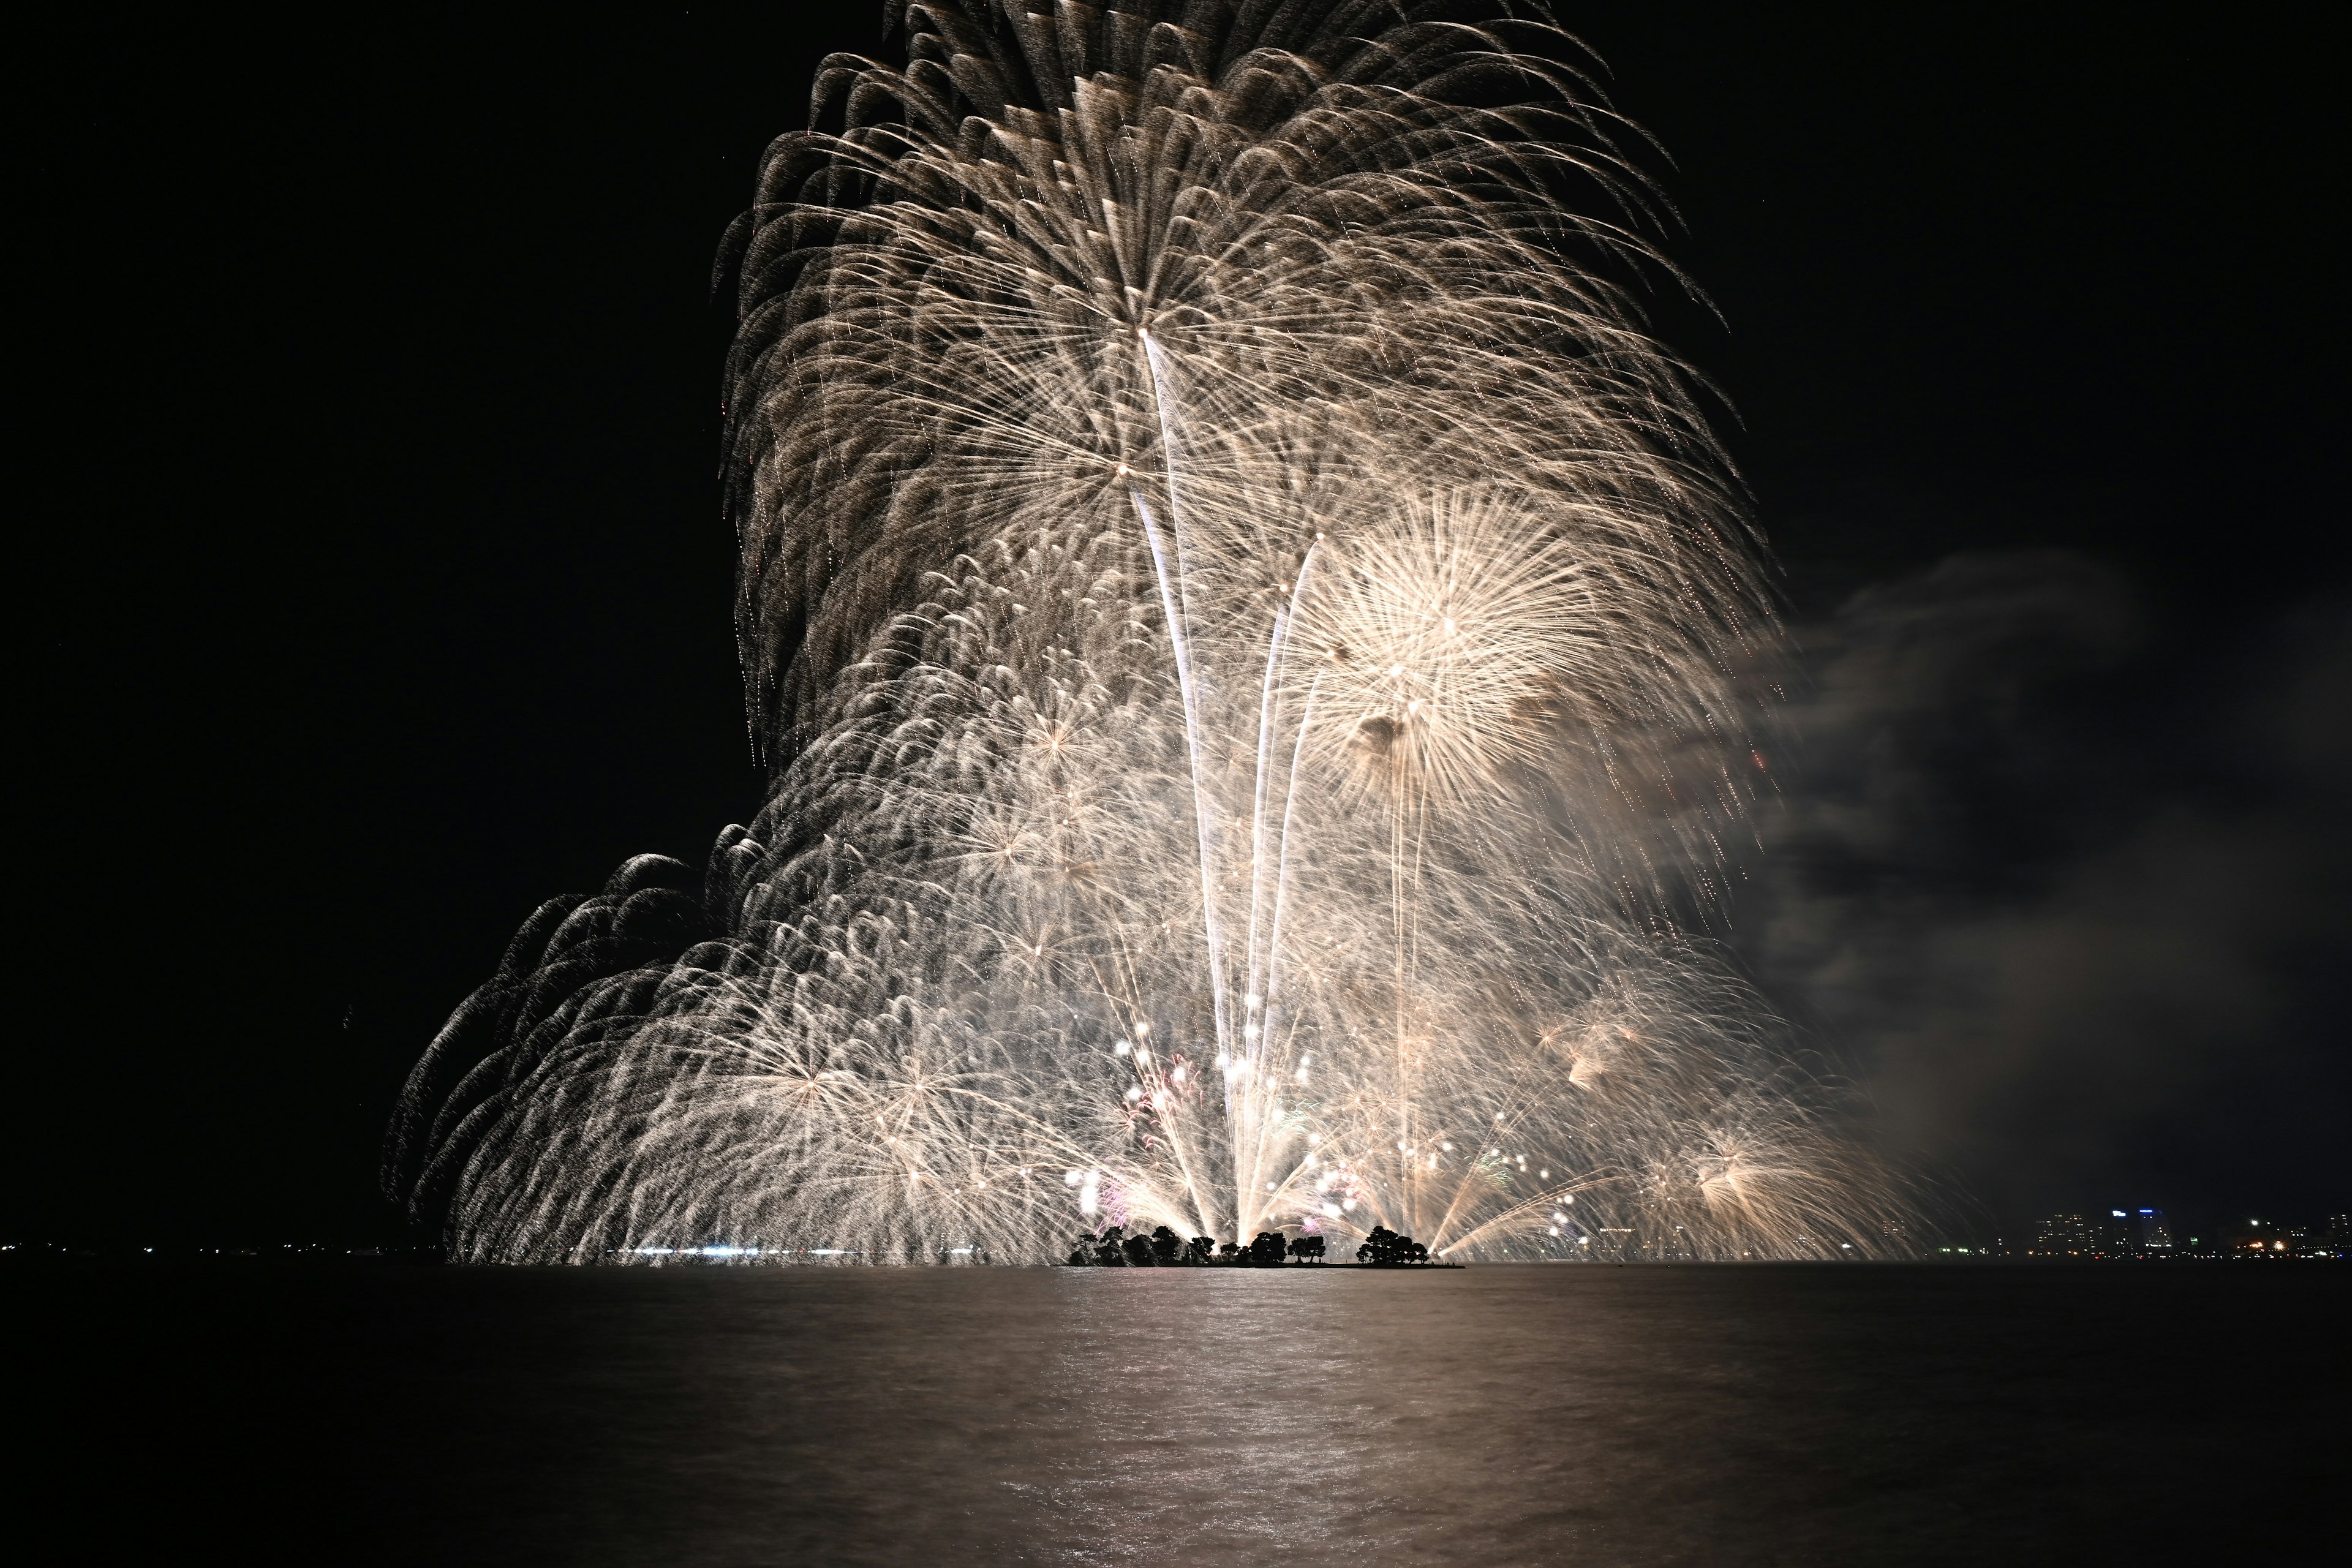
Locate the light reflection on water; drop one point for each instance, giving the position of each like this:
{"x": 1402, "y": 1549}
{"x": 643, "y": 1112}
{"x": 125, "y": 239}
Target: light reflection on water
{"x": 1608, "y": 1416}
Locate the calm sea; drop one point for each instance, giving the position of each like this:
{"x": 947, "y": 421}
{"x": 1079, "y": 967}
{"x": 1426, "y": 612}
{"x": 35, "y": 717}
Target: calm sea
{"x": 1757, "y": 1415}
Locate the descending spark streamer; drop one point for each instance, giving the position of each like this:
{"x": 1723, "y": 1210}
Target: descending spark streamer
{"x": 1240, "y": 620}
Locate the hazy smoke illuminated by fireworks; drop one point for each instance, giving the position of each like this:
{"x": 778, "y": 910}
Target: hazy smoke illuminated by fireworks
{"x": 1243, "y": 627}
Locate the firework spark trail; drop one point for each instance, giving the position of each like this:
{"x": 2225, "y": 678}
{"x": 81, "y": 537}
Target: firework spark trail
{"x": 1207, "y": 518}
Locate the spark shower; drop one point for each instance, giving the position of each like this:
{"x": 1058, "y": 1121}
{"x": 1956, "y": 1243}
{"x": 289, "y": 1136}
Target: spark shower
{"x": 1252, "y": 645}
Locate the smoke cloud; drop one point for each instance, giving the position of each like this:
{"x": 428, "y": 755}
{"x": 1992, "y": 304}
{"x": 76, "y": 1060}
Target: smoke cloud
{"x": 2064, "y": 885}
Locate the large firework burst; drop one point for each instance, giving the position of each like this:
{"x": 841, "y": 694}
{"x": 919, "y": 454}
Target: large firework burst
{"x": 1240, "y": 620}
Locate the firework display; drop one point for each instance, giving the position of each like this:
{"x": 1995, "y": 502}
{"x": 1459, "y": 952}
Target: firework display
{"x": 1247, "y": 634}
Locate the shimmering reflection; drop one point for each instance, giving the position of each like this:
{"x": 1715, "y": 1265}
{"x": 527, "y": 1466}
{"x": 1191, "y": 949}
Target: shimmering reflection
{"x": 1787, "y": 1415}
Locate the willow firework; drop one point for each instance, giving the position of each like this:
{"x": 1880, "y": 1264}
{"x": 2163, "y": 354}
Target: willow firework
{"x": 1242, "y": 626}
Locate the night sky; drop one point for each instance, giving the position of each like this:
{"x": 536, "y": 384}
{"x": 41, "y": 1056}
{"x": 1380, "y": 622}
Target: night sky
{"x": 372, "y": 585}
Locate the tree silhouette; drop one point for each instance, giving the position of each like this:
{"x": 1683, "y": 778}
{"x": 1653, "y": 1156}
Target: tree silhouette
{"x": 1267, "y": 1247}
{"x": 1165, "y": 1245}
{"x": 1201, "y": 1249}
{"x": 1385, "y": 1248}
{"x": 1307, "y": 1248}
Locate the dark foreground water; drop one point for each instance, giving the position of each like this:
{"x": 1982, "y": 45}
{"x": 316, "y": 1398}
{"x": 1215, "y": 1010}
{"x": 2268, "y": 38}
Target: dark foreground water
{"x": 1581, "y": 1414}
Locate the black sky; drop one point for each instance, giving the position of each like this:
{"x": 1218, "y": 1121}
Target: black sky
{"x": 372, "y": 585}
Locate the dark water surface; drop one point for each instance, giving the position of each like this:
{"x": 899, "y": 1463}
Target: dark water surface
{"x": 1574, "y": 1415}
